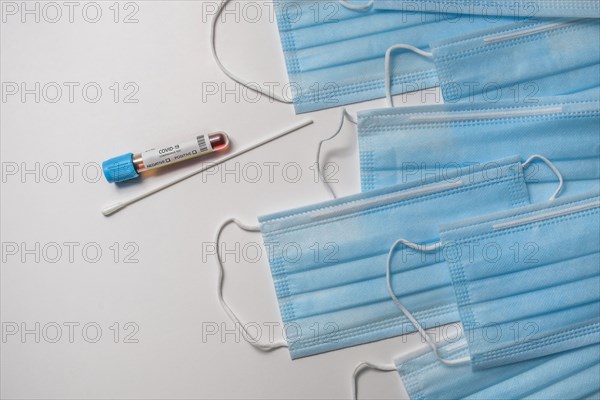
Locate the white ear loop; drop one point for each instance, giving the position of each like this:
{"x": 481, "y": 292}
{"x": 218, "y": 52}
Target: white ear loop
{"x": 407, "y": 314}
{"x": 363, "y": 366}
{"x": 550, "y": 164}
{"x": 232, "y": 316}
{"x": 230, "y": 74}
{"x": 388, "y": 76}
{"x": 345, "y": 114}
{"x": 436, "y": 246}
{"x": 357, "y": 7}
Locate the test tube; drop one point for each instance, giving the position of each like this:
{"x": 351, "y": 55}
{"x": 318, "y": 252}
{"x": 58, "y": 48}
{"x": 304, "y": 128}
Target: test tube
{"x": 130, "y": 166}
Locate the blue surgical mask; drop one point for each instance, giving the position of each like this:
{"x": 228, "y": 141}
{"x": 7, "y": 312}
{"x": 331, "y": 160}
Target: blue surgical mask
{"x": 573, "y": 375}
{"x": 527, "y": 281}
{"x": 336, "y": 58}
{"x": 521, "y": 62}
{"x": 502, "y": 8}
{"x": 327, "y": 260}
{"x": 334, "y": 55}
{"x": 399, "y": 145}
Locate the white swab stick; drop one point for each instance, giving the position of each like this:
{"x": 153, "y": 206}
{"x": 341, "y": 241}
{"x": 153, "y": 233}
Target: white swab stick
{"x": 113, "y": 208}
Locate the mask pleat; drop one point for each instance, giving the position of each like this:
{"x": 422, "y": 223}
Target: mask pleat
{"x": 394, "y": 148}
{"x": 346, "y": 273}
{"x": 540, "y": 300}
{"x": 553, "y": 369}
{"x": 533, "y": 8}
{"x": 592, "y": 396}
{"x": 301, "y": 14}
{"x": 535, "y": 276}
{"x": 551, "y": 62}
{"x": 357, "y": 326}
{"x": 365, "y": 27}
{"x": 568, "y": 375}
{"x": 420, "y": 294}
{"x": 345, "y": 287}
{"x": 531, "y": 305}
{"x": 576, "y": 386}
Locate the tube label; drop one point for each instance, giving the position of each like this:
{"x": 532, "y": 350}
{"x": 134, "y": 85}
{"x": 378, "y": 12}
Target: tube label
{"x": 167, "y": 155}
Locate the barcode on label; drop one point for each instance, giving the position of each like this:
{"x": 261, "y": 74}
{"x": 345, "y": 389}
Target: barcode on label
{"x": 202, "y": 144}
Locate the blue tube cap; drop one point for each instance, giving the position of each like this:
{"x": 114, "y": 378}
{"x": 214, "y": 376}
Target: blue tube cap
{"x": 119, "y": 169}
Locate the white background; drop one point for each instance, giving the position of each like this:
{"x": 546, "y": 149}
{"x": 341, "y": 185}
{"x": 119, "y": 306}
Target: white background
{"x": 170, "y": 293}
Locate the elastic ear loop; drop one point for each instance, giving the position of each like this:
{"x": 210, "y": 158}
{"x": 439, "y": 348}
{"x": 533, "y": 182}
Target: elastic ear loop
{"x": 407, "y": 314}
{"x": 363, "y": 366}
{"x": 232, "y": 316}
{"x": 388, "y": 75}
{"x": 230, "y": 74}
{"x": 357, "y": 7}
{"x": 345, "y": 114}
{"x": 550, "y": 164}
{"x": 436, "y": 246}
